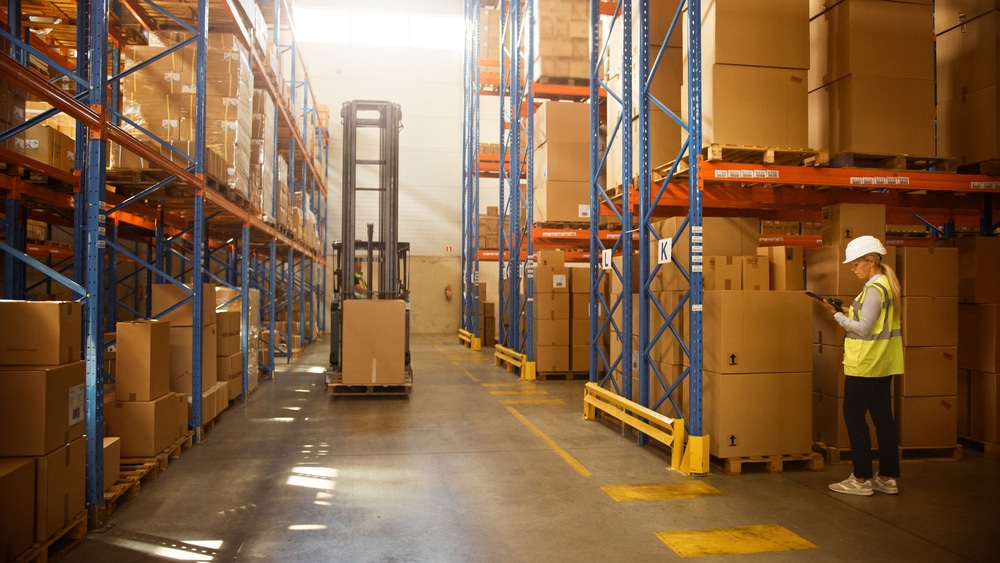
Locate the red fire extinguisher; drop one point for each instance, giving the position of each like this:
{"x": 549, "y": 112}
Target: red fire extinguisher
{"x": 447, "y": 292}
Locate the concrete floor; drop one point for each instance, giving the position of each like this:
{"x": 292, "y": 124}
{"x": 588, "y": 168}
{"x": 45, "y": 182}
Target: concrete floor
{"x": 453, "y": 474}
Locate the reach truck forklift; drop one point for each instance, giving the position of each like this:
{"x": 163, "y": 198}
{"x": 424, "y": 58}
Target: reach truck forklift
{"x": 370, "y": 311}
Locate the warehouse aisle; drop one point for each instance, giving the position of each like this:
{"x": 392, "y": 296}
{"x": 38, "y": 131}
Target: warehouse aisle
{"x": 477, "y": 466}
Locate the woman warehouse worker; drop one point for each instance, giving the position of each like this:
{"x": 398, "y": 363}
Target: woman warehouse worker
{"x": 873, "y": 353}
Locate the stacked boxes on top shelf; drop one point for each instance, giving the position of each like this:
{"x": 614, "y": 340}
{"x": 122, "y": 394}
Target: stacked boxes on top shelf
{"x": 262, "y": 156}
{"x": 13, "y": 99}
{"x": 562, "y": 163}
{"x": 871, "y": 78}
{"x": 828, "y": 276}
{"x": 979, "y": 339}
{"x": 551, "y": 300}
{"x": 42, "y": 442}
{"x": 754, "y": 92}
{"x": 968, "y": 75}
{"x": 926, "y": 406}
{"x": 562, "y": 41}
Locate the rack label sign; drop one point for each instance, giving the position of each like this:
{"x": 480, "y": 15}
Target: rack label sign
{"x": 665, "y": 249}
{"x": 606, "y": 259}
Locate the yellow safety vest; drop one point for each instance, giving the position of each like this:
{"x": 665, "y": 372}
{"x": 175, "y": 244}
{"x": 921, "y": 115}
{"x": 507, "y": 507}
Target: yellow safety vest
{"x": 880, "y": 353}
{"x": 359, "y": 279}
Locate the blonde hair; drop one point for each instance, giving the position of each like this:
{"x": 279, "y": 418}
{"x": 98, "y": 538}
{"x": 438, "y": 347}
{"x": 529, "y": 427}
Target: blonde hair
{"x": 897, "y": 294}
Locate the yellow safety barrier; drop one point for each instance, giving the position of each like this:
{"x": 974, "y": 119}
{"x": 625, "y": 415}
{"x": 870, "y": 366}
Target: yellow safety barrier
{"x": 668, "y": 431}
{"x": 468, "y": 339}
{"x": 510, "y": 359}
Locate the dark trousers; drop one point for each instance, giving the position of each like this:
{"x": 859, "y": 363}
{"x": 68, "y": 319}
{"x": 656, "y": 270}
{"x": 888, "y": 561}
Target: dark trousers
{"x": 874, "y": 395}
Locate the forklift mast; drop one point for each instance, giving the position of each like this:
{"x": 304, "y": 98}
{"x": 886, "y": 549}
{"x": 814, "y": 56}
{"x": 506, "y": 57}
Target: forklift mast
{"x": 364, "y": 171}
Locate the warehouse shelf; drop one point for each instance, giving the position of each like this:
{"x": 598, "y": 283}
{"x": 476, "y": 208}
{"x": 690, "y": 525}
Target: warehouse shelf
{"x": 170, "y": 213}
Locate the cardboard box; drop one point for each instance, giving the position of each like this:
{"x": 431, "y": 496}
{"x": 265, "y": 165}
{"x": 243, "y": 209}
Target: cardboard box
{"x": 579, "y": 305}
{"x": 950, "y": 13}
{"x": 927, "y": 421}
{"x": 929, "y": 371}
{"x": 966, "y": 56}
{"x": 112, "y": 454}
{"x": 551, "y": 279}
{"x": 562, "y": 202}
{"x": 930, "y": 321}
{"x": 579, "y": 332}
{"x": 143, "y": 355}
{"x": 743, "y": 334}
{"x": 979, "y": 337}
{"x": 580, "y": 281}
{"x": 41, "y": 408}
{"x": 756, "y": 273}
{"x": 17, "y": 506}
{"x": 722, "y": 272}
{"x": 978, "y": 269}
{"x": 562, "y": 122}
{"x": 964, "y": 407}
{"x": 844, "y": 222}
{"x": 969, "y": 125}
{"x": 729, "y": 33}
{"x": 552, "y": 332}
{"x": 374, "y": 342}
{"x": 228, "y": 331}
{"x": 751, "y": 414}
{"x": 984, "y": 399}
{"x": 166, "y": 295}
{"x": 927, "y": 272}
{"x": 61, "y": 478}
{"x": 827, "y": 276}
{"x": 862, "y": 37}
{"x": 550, "y": 359}
{"x": 828, "y": 422}
{"x": 551, "y": 306}
{"x": 785, "y": 267}
{"x": 826, "y": 330}
{"x": 828, "y": 370}
{"x": 721, "y": 236}
{"x": 873, "y": 114}
{"x": 40, "y": 333}
{"x": 182, "y": 358}
{"x": 562, "y": 162}
{"x": 579, "y": 358}
{"x": 235, "y": 387}
{"x": 146, "y": 428}
{"x": 229, "y": 366}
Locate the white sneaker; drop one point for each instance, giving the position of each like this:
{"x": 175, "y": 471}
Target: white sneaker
{"x": 851, "y": 486}
{"x": 888, "y": 487}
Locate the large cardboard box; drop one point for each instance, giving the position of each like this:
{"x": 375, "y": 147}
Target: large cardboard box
{"x": 828, "y": 422}
{"x": 166, "y": 295}
{"x": 562, "y": 122}
{"x": 843, "y": 222}
{"x": 950, "y": 13}
{"x": 927, "y": 421}
{"x": 61, "y": 480}
{"x": 112, "y": 455}
{"x": 828, "y": 370}
{"x": 41, "y": 408}
{"x": 867, "y": 37}
{"x": 978, "y": 269}
{"x": 143, "y": 355}
{"x": 228, "y": 332}
{"x": 579, "y": 332}
{"x": 552, "y": 332}
{"x": 754, "y": 105}
{"x": 722, "y": 272}
{"x": 146, "y": 428}
{"x": 17, "y": 506}
{"x": 562, "y": 162}
{"x": 826, "y": 330}
{"x": 785, "y": 267}
{"x": 39, "y": 333}
{"x": 551, "y": 279}
{"x": 551, "y": 306}
{"x": 749, "y": 414}
{"x": 873, "y": 114}
{"x": 552, "y": 358}
{"x": 966, "y": 56}
{"x": 721, "y": 236}
{"x": 729, "y": 33}
{"x": 984, "y": 400}
{"x": 756, "y": 273}
{"x": 927, "y": 272}
{"x": 228, "y": 367}
{"x": 182, "y": 358}
{"x": 579, "y": 358}
{"x": 826, "y": 275}
{"x": 979, "y": 337}
{"x": 930, "y": 321}
{"x": 743, "y": 334}
{"x": 562, "y": 202}
{"x": 374, "y": 342}
{"x": 929, "y": 371}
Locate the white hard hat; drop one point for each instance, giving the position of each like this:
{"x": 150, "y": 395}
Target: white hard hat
{"x": 863, "y": 246}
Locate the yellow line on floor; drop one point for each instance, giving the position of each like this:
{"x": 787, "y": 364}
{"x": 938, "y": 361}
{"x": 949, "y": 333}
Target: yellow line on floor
{"x": 531, "y": 401}
{"x": 516, "y": 384}
{"x": 525, "y": 392}
{"x": 548, "y": 441}
{"x": 733, "y": 541}
{"x": 465, "y": 371}
{"x": 660, "y": 491}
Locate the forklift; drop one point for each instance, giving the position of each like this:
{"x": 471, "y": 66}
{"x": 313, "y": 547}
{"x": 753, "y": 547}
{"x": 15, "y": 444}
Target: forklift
{"x": 370, "y": 310}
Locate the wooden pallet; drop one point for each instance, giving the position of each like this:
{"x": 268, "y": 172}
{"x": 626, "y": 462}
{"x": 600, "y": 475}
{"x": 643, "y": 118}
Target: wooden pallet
{"x": 835, "y": 455}
{"x": 772, "y": 463}
{"x": 895, "y": 162}
{"x": 578, "y": 225}
{"x": 75, "y": 529}
{"x": 748, "y": 154}
{"x": 126, "y": 487}
{"x": 149, "y": 468}
{"x": 990, "y": 450}
{"x": 337, "y": 388}
{"x": 989, "y": 167}
{"x": 562, "y": 375}
{"x": 838, "y": 456}
{"x": 563, "y": 81}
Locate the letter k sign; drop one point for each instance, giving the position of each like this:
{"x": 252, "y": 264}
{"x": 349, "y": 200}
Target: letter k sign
{"x": 665, "y": 246}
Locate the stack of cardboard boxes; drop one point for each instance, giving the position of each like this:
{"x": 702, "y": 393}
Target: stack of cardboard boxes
{"x": 871, "y": 78}
{"x": 562, "y": 40}
{"x": 489, "y": 234}
{"x": 968, "y": 75}
{"x": 754, "y": 91}
{"x": 828, "y": 276}
{"x": 262, "y": 155}
{"x": 664, "y": 133}
{"x": 551, "y": 312}
{"x": 487, "y": 317}
{"x": 42, "y": 446}
{"x": 579, "y": 319}
{"x": 562, "y": 163}
{"x": 12, "y": 112}
{"x": 979, "y": 339}
{"x": 214, "y": 393}
{"x": 228, "y": 303}
{"x": 489, "y": 40}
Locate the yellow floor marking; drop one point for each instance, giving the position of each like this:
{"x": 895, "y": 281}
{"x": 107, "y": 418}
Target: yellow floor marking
{"x": 660, "y": 491}
{"x": 515, "y": 384}
{"x": 531, "y": 401}
{"x": 732, "y": 541}
{"x": 465, "y": 371}
{"x": 548, "y": 441}
{"x": 527, "y": 392}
